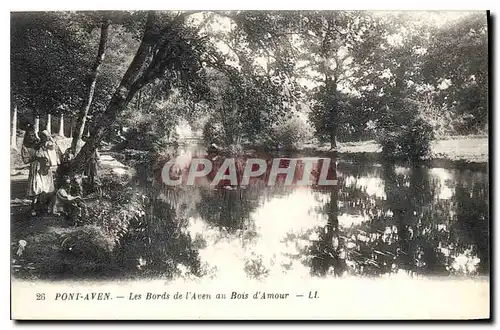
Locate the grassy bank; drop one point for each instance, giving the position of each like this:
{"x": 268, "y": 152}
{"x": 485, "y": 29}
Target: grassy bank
{"x": 460, "y": 148}
{"x": 53, "y": 247}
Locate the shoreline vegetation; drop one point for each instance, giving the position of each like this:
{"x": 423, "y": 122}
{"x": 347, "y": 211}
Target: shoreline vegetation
{"x": 460, "y": 149}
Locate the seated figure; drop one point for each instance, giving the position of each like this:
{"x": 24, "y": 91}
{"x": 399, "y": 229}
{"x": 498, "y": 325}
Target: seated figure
{"x": 71, "y": 207}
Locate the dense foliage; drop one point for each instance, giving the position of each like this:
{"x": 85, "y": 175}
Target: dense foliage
{"x": 240, "y": 77}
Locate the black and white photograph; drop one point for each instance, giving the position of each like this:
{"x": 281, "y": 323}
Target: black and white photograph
{"x": 262, "y": 164}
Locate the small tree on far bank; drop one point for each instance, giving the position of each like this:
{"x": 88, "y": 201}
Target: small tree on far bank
{"x": 403, "y": 133}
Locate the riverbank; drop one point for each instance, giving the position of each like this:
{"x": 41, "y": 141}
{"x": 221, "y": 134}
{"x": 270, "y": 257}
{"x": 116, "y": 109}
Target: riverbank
{"x": 46, "y": 246}
{"x": 470, "y": 149}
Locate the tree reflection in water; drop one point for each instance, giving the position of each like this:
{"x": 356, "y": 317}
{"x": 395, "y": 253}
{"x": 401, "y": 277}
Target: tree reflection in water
{"x": 409, "y": 227}
{"x": 379, "y": 219}
{"x": 228, "y": 209}
{"x": 156, "y": 246}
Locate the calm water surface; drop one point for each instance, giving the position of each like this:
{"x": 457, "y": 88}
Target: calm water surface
{"x": 379, "y": 219}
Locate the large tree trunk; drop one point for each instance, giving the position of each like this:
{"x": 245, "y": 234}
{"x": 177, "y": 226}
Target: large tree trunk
{"x": 13, "y": 139}
{"x": 82, "y": 115}
{"x": 122, "y": 96}
{"x": 333, "y": 138}
{"x": 332, "y": 106}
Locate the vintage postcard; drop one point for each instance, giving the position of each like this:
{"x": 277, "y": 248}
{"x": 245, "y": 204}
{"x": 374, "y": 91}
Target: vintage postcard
{"x": 257, "y": 165}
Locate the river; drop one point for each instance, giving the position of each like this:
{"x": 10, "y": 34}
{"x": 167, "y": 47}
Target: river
{"x": 380, "y": 219}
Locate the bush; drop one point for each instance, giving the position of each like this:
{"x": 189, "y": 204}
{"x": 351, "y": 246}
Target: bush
{"x": 410, "y": 142}
{"x": 139, "y": 139}
{"x": 289, "y": 135}
{"x": 119, "y": 204}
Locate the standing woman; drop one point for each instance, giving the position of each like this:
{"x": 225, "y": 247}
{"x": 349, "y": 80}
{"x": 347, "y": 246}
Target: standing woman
{"x": 40, "y": 178}
{"x": 31, "y": 143}
{"x": 48, "y": 156}
{"x": 52, "y": 149}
